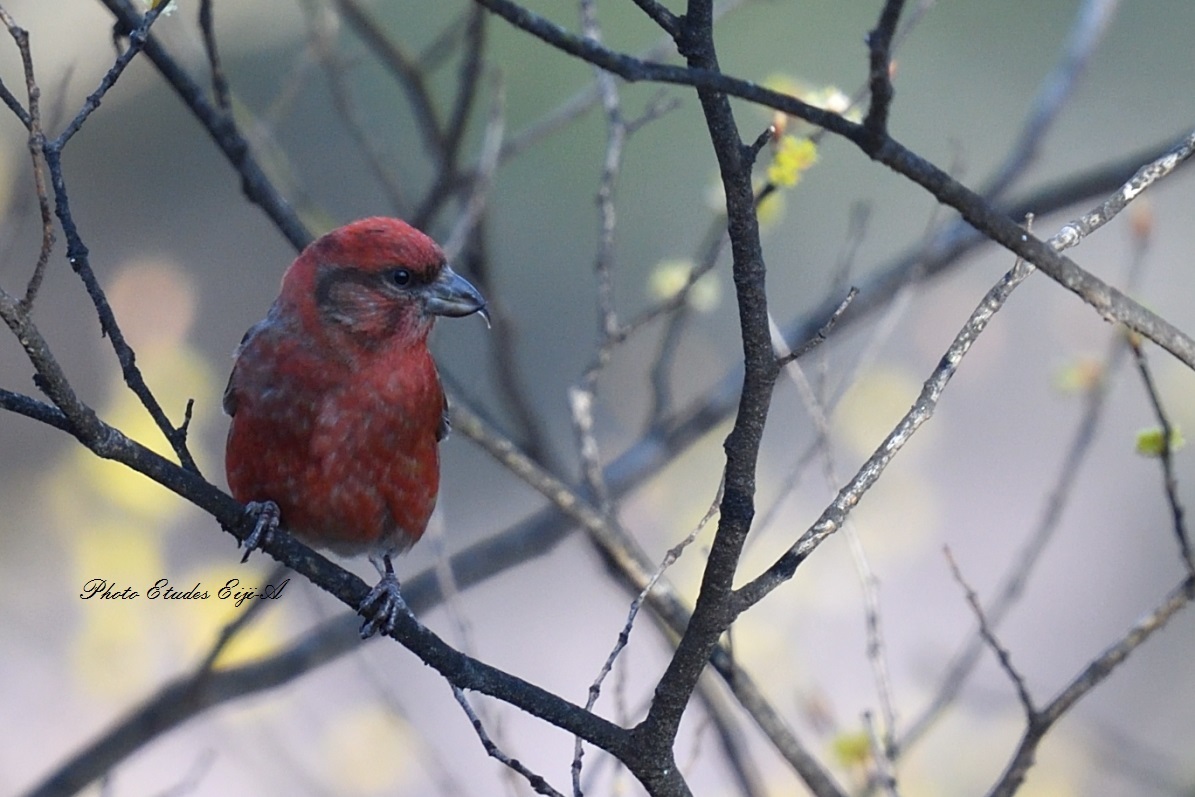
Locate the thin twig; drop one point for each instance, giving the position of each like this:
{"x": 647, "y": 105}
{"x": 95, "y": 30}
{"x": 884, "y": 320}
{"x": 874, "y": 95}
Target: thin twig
{"x": 885, "y": 775}
{"x": 487, "y": 165}
{"x": 21, "y": 37}
{"x": 137, "y": 38}
{"x": 536, "y": 782}
{"x": 595, "y": 688}
{"x": 321, "y": 36}
{"x": 256, "y": 186}
{"x": 1111, "y": 303}
{"x": 879, "y": 46}
{"x": 661, "y": 15}
{"x": 1021, "y": 567}
{"x": 989, "y": 636}
{"x": 821, "y": 337}
{"x": 36, "y": 410}
{"x": 616, "y": 136}
{"x": 1146, "y": 176}
{"x": 868, "y": 582}
{"x": 36, "y": 144}
{"x": 448, "y": 180}
{"x": 219, "y": 80}
{"x": 576, "y": 106}
{"x": 849, "y": 496}
{"x": 1070, "y": 235}
{"x": 1023, "y": 564}
{"x": 1165, "y": 455}
{"x": 231, "y": 630}
{"x": 79, "y": 259}
{"x": 635, "y": 568}
{"x": 467, "y": 85}
{"x": 1093, "y": 675}
{"x": 676, "y": 309}
{"x": 1053, "y": 94}
{"x": 405, "y": 69}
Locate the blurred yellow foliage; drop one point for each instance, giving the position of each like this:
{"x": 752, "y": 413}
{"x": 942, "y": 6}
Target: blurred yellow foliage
{"x": 876, "y": 401}
{"x": 851, "y": 750}
{"x": 368, "y": 750}
{"x": 112, "y": 655}
{"x": 830, "y": 98}
{"x": 174, "y": 377}
{"x": 1082, "y": 375}
{"x": 203, "y": 620}
{"x": 794, "y": 156}
{"x": 113, "y": 520}
{"x": 670, "y": 277}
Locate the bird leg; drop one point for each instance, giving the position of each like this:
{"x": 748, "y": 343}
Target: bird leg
{"x": 268, "y": 516}
{"x": 383, "y": 605}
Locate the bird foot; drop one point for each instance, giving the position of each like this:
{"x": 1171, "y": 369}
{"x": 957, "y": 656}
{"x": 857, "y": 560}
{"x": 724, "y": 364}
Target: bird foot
{"x": 383, "y": 606}
{"x": 268, "y": 517}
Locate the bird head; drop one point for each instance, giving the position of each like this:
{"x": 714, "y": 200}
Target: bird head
{"x": 377, "y": 281}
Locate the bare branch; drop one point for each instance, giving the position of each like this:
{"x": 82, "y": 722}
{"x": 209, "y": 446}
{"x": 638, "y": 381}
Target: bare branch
{"x": 468, "y": 83}
{"x": 634, "y": 566}
{"x": 1165, "y": 455}
{"x": 36, "y": 143}
{"x": 885, "y": 776}
{"x": 536, "y": 782}
{"x": 220, "y": 126}
{"x": 1146, "y": 176}
{"x": 37, "y": 410}
{"x": 219, "y": 81}
{"x": 78, "y": 256}
{"x": 321, "y": 30}
{"x": 138, "y": 37}
{"x": 1108, "y": 301}
{"x": 487, "y": 164}
{"x": 649, "y": 748}
{"x": 624, "y": 636}
{"x": 661, "y": 15}
{"x": 405, "y": 69}
{"x": 1023, "y": 564}
{"x": 21, "y": 37}
{"x": 989, "y": 636}
{"x": 1091, "y": 22}
{"x": 848, "y": 497}
{"x": 822, "y": 334}
{"x": 1100, "y": 668}
{"x": 879, "y": 45}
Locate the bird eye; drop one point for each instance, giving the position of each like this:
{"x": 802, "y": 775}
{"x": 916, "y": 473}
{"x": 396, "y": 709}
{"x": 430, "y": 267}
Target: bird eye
{"x": 401, "y": 277}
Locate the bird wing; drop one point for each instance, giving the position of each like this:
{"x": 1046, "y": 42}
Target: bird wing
{"x": 445, "y": 423}
{"x": 230, "y": 399}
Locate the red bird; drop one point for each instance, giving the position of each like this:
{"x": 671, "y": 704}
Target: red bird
{"x": 337, "y": 409}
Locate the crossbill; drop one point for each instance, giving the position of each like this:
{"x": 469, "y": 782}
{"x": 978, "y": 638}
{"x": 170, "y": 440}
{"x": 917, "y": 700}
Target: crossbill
{"x": 336, "y": 405}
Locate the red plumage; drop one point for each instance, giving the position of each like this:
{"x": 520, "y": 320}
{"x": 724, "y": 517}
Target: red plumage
{"x": 337, "y": 409}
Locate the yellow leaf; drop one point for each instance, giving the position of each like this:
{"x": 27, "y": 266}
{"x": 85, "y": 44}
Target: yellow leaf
{"x": 852, "y": 749}
{"x": 1150, "y": 442}
{"x": 793, "y": 157}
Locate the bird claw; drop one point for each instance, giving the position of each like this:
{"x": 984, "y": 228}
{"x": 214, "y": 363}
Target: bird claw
{"x": 268, "y": 517}
{"x": 383, "y": 606}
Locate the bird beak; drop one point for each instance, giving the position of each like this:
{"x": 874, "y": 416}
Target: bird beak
{"x": 454, "y": 296}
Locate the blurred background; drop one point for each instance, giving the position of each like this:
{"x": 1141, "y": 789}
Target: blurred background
{"x": 188, "y": 265}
